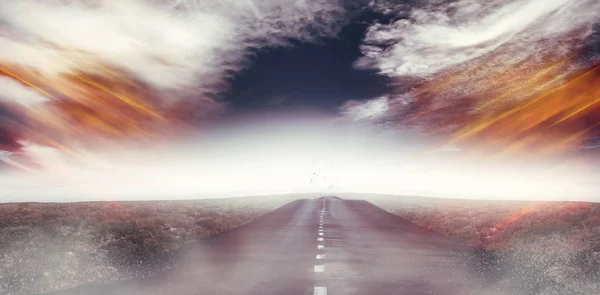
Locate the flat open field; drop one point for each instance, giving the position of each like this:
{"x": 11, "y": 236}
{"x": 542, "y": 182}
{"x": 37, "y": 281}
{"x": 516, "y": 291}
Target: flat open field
{"x": 52, "y": 246}
{"x": 549, "y": 247}
{"x": 536, "y": 247}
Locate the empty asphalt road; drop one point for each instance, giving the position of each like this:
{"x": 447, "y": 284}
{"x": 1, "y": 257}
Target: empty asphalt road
{"x": 321, "y": 246}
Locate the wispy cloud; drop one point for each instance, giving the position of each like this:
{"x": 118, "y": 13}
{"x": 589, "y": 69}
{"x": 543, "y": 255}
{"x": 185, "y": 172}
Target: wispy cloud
{"x": 466, "y": 66}
{"x": 13, "y": 90}
{"x": 106, "y": 69}
{"x": 441, "y": 35}
{"x": 169, "y": 44}
{"x": 365, "y": 110}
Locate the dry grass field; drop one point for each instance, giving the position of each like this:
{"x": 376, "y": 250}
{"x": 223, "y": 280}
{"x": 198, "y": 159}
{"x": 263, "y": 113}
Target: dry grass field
{"x": 51, "y": 246}
{"x": 539, "y": 247}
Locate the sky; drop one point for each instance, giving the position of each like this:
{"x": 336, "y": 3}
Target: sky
{"x": 147, "y": 99}
{"x": 317, "y": 76}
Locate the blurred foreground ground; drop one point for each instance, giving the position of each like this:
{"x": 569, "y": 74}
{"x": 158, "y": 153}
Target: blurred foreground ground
{"x": 535, "y": 247}
{"x": 52, "y": 246}
{"x": 540, "y": 247}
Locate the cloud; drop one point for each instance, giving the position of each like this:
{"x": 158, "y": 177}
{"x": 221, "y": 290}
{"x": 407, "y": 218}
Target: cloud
{"x": 168, "y": 44}
{"x": 441, "y": 35}
{"x": 470, "y": 71}
{"x": 136, "y": 69}
{"x": 365, "y": 110}
{"x": 13, "y": 90}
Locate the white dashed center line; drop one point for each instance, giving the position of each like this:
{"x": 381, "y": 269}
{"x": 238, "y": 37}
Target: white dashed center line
{"x": 320, "y": 290}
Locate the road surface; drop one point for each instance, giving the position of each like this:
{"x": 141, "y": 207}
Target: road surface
{"x": 321, "y": 246}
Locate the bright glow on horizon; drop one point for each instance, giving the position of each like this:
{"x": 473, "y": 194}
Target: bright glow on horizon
{"x": 324, "y": 158}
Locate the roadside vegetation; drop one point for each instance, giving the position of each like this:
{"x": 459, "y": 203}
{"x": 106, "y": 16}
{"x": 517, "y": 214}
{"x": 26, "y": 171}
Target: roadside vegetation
{"x": 534, "y": 247}
{"x": 46, "y": 247}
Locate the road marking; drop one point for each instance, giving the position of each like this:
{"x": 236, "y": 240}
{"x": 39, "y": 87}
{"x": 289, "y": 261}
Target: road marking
{"x": 319, "y": 268}
{"x": 320, "y": 247}
{"x": 320, "y": 239}
{"x": 320, "y": 290}
{"x": 320, "y": 234}
{"x": 321, "y": 227}
{"x": 320, "y": 256}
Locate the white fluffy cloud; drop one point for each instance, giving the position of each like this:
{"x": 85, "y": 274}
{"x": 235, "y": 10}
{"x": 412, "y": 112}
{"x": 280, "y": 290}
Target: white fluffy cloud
{"x": 440, "y": 35}
{"x": 169, "y": 44}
